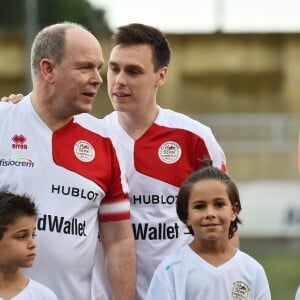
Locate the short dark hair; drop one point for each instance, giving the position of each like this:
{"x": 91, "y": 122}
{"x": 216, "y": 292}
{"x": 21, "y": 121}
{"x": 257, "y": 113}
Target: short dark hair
{"x": 13, "y": 206}
{"x": 137, "y": 33}
{"x": 209, "y": 172}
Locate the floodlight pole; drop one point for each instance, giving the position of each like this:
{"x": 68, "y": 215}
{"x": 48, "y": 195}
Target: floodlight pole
{"x": 30, "y": 31}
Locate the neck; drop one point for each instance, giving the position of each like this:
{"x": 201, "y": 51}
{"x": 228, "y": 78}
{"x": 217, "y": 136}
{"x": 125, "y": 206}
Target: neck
{"x": 215, "y": 252}
{"x": 137, "y": 124}
{"x": 12, "y": 282}
{"x": 46, "y": 111}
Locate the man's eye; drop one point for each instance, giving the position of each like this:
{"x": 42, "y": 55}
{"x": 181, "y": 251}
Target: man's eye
{"x": 134, "y": 72}
{"x": 113, "y": 69}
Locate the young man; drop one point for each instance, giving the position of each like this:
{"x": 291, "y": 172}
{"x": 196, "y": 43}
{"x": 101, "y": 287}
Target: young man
{"x": 160, "y": 147}
{"x": 68, "y": 164}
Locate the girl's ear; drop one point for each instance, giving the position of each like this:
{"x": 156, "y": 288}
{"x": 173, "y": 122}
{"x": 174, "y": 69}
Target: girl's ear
{"x": 234, "y": 212}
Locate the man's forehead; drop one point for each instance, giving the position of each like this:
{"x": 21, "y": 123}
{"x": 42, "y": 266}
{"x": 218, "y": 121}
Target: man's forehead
{"x": 131, "y": 54}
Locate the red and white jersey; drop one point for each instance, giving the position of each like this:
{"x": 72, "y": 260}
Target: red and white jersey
{"x": 185, "y": 275}
{"x": 74, "y": 176}
{"x": 156, "y": 165}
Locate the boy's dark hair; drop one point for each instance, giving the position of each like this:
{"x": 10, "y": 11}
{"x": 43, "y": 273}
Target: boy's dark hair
{"x": 208, "y": 172}
{"x": 136, "y": 33}
{"x": 12, "y": 207}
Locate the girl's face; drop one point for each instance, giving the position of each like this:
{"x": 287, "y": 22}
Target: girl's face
{"x": 210, "y": 211}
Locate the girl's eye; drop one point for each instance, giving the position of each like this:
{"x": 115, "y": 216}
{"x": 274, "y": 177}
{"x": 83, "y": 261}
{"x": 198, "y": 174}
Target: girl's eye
{"x": 199, "y": 206}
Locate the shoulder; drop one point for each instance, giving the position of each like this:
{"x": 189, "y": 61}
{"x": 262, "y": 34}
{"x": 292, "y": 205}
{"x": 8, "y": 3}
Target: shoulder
{"x": 40, "y": 291}
{"x": 168, "y": 117}
{"x": 173, "y": 260}
{"x": 7, "y": 106}
{"x": 249, "y": 261}
{"x": 93, "y": 124}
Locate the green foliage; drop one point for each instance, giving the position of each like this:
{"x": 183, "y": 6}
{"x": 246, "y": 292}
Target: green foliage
{"x": 12, "y": 14}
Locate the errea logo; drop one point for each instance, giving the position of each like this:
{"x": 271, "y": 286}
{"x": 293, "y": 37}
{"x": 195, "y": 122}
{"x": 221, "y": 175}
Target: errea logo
{"x": 19, "y": 141}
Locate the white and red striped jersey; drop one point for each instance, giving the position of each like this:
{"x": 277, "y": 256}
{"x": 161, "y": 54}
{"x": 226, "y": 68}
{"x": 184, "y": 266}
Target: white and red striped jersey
{"x": 75, "y": 178}
{"x": 156, "y": 165}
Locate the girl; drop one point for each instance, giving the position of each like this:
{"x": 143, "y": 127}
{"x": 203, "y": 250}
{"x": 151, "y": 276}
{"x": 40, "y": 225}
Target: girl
{"x": 209, "y": 267}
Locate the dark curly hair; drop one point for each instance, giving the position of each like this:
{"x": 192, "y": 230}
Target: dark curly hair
{"x": 12, "y": 207}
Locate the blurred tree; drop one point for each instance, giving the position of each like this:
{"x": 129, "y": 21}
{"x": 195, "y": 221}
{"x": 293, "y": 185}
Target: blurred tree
{"x": 12, "y": 14}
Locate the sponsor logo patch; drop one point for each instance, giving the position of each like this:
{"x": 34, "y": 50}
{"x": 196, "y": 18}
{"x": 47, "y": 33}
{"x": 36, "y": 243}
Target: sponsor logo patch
{"x": 240, "y": 291}
{"x": 169, "y": 152}
{"x": 19, "y": 141}
{"x": 84, "y": 151}
{"x": 21, "y": 162}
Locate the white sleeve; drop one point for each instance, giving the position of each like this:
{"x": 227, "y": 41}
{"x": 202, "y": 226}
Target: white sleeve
{"x": 262, "y": 290}
{"x": 297, "y": 297}
{"x": 160, "y": 287}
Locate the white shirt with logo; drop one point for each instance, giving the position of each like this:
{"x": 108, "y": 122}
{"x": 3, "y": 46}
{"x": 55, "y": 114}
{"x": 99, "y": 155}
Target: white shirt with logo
{"x": 74, "y": 176}
{"x": 156, "y": 165}
{"x": 185, "y": 275}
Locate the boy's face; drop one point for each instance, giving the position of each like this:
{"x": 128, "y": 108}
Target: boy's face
{"x": 17, "y": 246}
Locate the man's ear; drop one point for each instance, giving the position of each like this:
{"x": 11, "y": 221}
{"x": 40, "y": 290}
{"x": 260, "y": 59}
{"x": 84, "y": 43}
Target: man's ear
{"x": 47, "y": 69}
{"x": 162, "y": 76}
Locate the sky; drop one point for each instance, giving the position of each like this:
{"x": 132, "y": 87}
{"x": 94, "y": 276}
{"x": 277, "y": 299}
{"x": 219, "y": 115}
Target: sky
{"x": 205, "y": 16}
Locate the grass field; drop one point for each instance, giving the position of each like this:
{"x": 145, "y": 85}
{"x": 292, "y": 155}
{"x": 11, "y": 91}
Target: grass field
{"x": 283, "y": 273}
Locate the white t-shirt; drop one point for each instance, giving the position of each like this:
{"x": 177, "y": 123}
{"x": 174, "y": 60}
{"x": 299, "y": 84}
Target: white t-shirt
{"x": 34, "y": 291}
{"x": 156, "y": 165}
{"x": 297, "y": 297}
{"x": 185, "y": 275}
{"x": 75, "y": 178}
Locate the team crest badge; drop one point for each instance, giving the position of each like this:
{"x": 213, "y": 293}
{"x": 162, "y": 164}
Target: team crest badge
{"x": 240, "y": 291}
{"x": 84, "y": 151}
{"x": 169, "y": 152}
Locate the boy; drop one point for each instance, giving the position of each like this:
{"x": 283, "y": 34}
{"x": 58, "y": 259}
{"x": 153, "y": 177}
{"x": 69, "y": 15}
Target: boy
{"x": 18, "y": 216}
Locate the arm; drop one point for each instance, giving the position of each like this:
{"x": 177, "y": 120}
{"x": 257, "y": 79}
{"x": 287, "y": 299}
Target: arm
{"x": 120, "y": 256}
